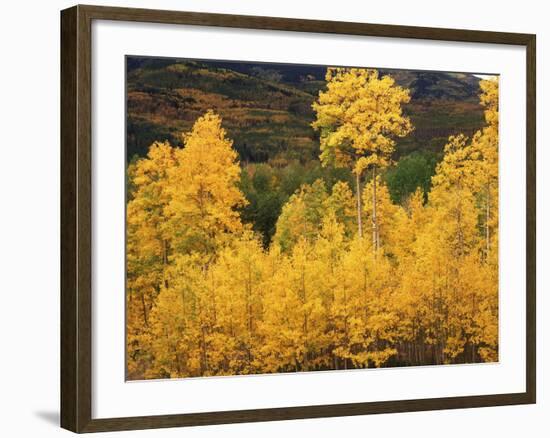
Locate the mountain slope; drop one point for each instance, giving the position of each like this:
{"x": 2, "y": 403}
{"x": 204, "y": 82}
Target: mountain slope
{"x": 266, "y": 108}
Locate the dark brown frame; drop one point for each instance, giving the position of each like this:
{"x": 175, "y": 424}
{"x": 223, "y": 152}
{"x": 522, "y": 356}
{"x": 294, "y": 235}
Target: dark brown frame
{"x": 76, "y": 237}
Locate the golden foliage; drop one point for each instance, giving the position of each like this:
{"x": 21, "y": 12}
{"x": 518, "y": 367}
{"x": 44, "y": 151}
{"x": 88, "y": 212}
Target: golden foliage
{"x": 358, "y": 116}
{"x": 205, "y": 298}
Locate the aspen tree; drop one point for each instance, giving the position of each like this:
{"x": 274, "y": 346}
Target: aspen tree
{"x": 203, "y": 190}
{"x": 301, "y": 216}
{"x": 147, "y": 246}
{"x": 358, "y": 116}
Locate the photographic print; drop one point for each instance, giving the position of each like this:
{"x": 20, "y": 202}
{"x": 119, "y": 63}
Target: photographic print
{"x": 291, "y": 218}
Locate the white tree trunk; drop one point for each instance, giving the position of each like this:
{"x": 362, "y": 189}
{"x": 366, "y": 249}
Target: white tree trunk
{"x": 375, "y": 237}
{"x": 359, "y": 204}
{"x": 487, "y": 218}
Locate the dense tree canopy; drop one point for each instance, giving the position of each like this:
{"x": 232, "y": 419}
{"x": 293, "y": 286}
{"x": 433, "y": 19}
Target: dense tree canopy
{"x": 208, "y": 294}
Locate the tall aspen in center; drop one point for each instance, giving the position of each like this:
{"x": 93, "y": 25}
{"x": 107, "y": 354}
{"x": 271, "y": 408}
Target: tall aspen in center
{"x": 359, "y": 116}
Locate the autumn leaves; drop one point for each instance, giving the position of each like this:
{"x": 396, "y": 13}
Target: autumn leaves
{"x": 359, "y": 115}
{"x": 204, "y": 297}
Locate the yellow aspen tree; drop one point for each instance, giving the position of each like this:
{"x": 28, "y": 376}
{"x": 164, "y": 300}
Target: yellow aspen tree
{"x": 448, "y": 247}
{"x": 203, "y": 188}
{"x": 477, "y": 318}
{"x": 409, "y": 220}
{"x": 365, "y": 307}
{"x": 484, "y": 304}
{"x": 294, "y": 315}
{"x": 486, "y": 143}
{"x": 311, "y": 317}
{"x": 200, "y": 216}
{"x": 474, "y": 164}
{"x": 473, "y": 169}
{"x": 329, "y": 282}
{"x": 340, "y": 202}
{"x": 359, "y": 116}
{"x": 147, "y": 247}
{"x": 487, "y": 320}
{"x": 278, "y": 352}
{"x": 176, "y": 322}
{"x": 239, "y": 273}
{"x": 410, "y": 294}
{"x": 388, "y": 213}
{"x": 301, "y": 215}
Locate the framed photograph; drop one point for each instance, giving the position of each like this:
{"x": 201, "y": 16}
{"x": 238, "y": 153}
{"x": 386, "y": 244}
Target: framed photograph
{"x": 269, "y": 219}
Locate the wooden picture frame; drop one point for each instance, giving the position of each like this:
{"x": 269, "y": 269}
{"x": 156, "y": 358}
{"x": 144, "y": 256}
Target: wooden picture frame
{"x": 76, "y": 218}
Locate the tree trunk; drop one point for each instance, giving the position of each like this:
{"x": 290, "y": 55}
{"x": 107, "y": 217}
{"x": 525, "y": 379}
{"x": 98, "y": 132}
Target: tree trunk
{"x": 305, "y": 322}
{"x": 487, "y": 217}
{"x": 249, "y": 312}
{"x": 359, "y": 204}
{"x": 144, "y": 307}
{"x": 204, "y": 357}
{"x": 375, "y": 238}
{"x": 164, "y": 261}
